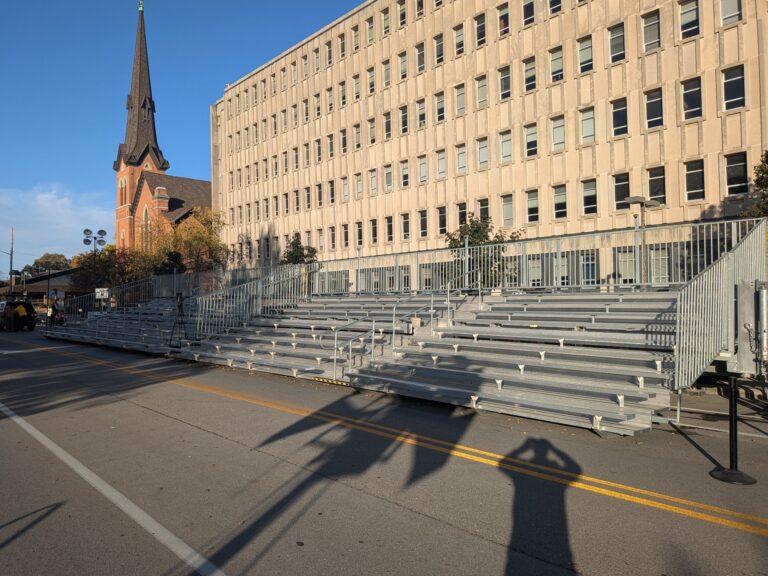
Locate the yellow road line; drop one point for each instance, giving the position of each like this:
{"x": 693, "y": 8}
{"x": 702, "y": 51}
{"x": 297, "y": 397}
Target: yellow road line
{"x": 579, "y": 481}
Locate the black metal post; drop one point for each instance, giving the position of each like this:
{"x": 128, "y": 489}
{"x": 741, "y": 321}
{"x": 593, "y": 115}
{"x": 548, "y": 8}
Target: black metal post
{"x": 733, "y": 475}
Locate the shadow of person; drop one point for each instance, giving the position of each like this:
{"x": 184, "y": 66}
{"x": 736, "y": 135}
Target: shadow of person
{"x": 539, "y": 516}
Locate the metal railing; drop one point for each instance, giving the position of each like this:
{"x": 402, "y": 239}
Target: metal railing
{"x": 650, "y": 257}
{"x": 233, "y": 307}
{"x": 706, "y": 306}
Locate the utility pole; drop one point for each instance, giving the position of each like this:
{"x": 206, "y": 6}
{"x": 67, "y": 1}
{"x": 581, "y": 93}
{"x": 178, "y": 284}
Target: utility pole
{"x": 11, "y": 270}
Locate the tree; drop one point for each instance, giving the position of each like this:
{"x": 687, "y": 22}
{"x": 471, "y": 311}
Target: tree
{"x": 295, "y": 253}
{"x": 49, "y": 261}
{"x": 759, "y": 208}
{"x": 484, "y": 258}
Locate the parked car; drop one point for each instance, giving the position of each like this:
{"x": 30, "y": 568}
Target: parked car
{"x": 10, "y": 320}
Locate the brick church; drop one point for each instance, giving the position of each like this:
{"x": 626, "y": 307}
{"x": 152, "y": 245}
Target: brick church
{"x": 146, "y": 195}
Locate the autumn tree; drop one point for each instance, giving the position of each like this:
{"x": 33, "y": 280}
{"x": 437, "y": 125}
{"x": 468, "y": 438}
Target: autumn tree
{"x": 296, "y": 253}
{"x": 759, "y": 209}
{"x": 484, "y": 258}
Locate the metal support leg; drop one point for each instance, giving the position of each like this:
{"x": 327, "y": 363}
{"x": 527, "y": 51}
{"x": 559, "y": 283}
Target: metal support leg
{"x": 733, "y": 475}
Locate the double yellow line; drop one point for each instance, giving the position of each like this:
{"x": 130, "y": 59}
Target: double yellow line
{"x": 648, "y": 498}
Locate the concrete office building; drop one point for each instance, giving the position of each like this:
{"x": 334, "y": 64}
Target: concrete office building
{"x": 383, "y": 130}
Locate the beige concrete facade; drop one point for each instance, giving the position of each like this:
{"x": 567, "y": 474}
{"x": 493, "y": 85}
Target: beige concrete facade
{"x": 292, "y": 150}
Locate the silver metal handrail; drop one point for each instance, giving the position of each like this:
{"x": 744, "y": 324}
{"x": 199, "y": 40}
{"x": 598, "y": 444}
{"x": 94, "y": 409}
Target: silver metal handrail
{"x": 705, "y": 306}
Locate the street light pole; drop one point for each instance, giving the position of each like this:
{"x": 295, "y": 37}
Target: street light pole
{"x": 643, "y": 203}
{"x": 97, "y": 240}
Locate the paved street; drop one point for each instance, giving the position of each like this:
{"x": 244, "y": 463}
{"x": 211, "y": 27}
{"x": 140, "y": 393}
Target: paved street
{"x": 117, "y": 463}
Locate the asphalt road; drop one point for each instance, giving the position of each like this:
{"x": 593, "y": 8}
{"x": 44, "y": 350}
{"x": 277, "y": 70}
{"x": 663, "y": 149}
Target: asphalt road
{"x": 117, "y": 463}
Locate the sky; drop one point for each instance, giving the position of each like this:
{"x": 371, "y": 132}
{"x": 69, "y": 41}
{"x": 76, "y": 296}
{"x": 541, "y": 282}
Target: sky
{"x": 65, "y": 74}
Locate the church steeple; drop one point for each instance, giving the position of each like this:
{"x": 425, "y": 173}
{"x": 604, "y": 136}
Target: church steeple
{"x": 140, "y": 135}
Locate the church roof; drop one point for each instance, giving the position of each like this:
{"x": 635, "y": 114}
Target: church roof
{"x": 184, "y": 194}
{"x": 140, "y": 136}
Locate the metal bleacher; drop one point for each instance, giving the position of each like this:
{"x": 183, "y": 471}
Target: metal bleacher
{"x": 564, "y": 330}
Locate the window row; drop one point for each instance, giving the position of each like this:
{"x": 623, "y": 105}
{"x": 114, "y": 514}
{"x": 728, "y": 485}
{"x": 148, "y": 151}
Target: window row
{"x": 733, "y": 94}
{"x": 731, "y": 11}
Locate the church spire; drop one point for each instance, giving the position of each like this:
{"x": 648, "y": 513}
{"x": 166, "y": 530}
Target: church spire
{"x": 140, "y": 135}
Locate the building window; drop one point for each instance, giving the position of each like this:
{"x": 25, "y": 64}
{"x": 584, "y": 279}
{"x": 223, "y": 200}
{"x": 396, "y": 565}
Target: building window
{"x": 733, "y": 87}
{"x": 421, "y": 108}
{"x": 528, "y": 14}
{"x": 356, "y": 140}
{"x": 730, "y": 11}
{"x": 423, "y": 223}
{"x": 440, "y": 163}
{"x": 558, "y": 134}
{"x": 657, "y": 186}
{"x": 387, "y": 125}
{"x": 556, "y": 63}
{"x": 344, "y": 190}
{"x": 405, "y": 221}
{"x": 462, "y": 213}
{"x": 505, "y": 83}
{"x": 480, "y": 30}
{"x": 460, "y": 99}
{"x": 388, "y": 178}
{"x": 619, "y": 116}
{"x": 560, "y": 201}
{"x": 359, "y": 233}
{"x": 342, "y": 46}
{"x": 345, "y": 235}
{"x": 529, "y": 73}
{"x": 588, "y": 126}
{"x": 373, "y": 181}
{"x": 586, "y": 61}
{"x": 387, "y": 73}
{"x": 617, "y": 43}
{"x": 439, "y": 107}
{"x": 736, "y": 173}
{"x": 483, "y": 210}
{"x": 505, "y": 146}
{"x": 503, "y": 12}
{"x": 531, "y": 141}
{"x": 356, "y": 86}
{"x": 507, "y": 213}
{"x": 423, "y": 170}
{"x": 652, "y": 31}
{"x": 691, "y": 98}
{"x": 482, "y": 153}
{"x": 385, "y": 22}
{"x": 358, "y": 185}
{"x": 694, "y": 180}
{"x": 621, "y": 191}
{"x": 689, "y": 18}
{"x": 420, "y": 58}
{"x": 555, "y": 6}
{"x": 404, "y": 120}
{"x": 402, "y": 13}
{"x": 369, "y": 30}
{"x": 419, "y": 8}
{"x": 374, "y": 227}
{"x": 371, "y": 81}
{"x": 481, "y": 85}
{"x": 532, "y": 198}
{"x": 441, "y": 220}
{"x": 654, "y": 108}
{"x": 439, "y": 52}
{"x": 589, "y": 194}
{"x": 461, "y": 159}
{"x": 390, "y": 229}
{"x": 458, "y": 40}
{"x": 404, "y": 175}
{"x": 403, "y": 61}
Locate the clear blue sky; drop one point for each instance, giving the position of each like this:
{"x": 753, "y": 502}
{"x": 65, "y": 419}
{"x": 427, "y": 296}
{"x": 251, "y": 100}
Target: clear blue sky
{"x": 65, "y": 73}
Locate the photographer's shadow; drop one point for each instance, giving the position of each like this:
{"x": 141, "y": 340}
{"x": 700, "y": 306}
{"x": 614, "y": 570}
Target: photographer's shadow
{"x": 539, "y": 516}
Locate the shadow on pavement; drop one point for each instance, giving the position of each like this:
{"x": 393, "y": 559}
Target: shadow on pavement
{"x": 539, "y": 515}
